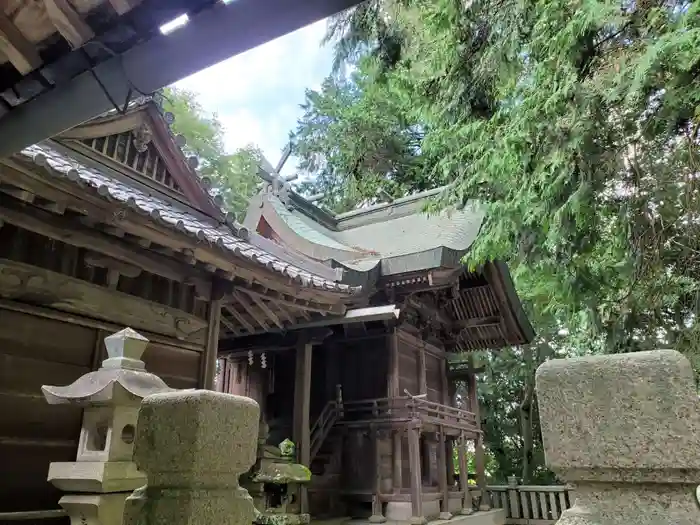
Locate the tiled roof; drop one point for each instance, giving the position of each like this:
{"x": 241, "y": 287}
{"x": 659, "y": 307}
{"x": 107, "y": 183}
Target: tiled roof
{"x": 177, "y": 218}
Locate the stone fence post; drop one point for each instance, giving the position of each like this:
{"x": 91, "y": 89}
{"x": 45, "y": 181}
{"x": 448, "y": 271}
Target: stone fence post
{"x": 193, "y": 445}
{"x": 625, "y": 430}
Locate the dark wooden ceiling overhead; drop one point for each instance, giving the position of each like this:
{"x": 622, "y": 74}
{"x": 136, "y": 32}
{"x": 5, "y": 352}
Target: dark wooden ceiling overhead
{"x": 63, "y": 62}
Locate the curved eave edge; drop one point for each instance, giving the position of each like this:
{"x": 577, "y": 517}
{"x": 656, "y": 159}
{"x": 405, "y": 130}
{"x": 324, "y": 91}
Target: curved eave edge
{"x": 497, "y": 272}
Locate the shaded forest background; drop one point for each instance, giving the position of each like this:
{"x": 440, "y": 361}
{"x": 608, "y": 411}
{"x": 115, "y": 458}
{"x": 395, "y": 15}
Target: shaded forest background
{"x": 574, "y": 122}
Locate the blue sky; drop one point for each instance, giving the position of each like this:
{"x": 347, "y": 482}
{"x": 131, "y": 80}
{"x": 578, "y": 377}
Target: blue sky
{"x": 257, "y": 94}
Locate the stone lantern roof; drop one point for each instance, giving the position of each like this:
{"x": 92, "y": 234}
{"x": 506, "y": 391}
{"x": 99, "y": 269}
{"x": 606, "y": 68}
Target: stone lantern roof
{"x": 122, "y": 378}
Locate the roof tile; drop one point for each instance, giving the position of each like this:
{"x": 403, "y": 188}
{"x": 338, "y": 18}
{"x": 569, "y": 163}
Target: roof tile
{"x": 161, "y": 211}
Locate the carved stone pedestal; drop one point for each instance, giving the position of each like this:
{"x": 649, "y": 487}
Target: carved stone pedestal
{"x": 193, "y": 445}
{"x": 624, "y": 429}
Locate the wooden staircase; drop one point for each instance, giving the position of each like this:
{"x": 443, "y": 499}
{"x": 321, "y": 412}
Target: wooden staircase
{"x": 326, "y": 440}
{"x": 325, "y": 435}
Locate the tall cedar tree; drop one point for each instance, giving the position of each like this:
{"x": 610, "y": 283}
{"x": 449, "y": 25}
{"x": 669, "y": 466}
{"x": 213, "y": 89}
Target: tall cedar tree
{"x": 574, "y": 123}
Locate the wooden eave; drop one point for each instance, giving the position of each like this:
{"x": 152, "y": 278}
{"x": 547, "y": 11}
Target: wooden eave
{"x": 129, "y": 53}
{"x": 470, "y": 311}
{"x": 63, "y": 211}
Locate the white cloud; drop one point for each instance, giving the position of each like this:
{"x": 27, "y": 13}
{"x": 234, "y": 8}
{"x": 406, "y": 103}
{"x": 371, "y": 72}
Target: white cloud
{"x": 257, "y": 94}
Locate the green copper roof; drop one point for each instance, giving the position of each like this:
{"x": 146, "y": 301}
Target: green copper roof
{"x": 398, "y": 236}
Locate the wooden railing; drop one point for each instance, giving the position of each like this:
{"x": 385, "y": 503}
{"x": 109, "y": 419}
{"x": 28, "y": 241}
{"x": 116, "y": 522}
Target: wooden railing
{"x": 322, "y": 427}
{"x": 440, "y": 414}
{"x": 530, "y": 504}
{"x": 407, "y": 408}
{"x": 387, "y": 411}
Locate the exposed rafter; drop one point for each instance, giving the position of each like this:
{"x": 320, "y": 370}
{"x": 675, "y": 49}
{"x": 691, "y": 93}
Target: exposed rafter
{"x": 266, "y": 309}
{"x": 68, "y": 22}
{"x": 21, "y": 53}
{"x": 123, "y": 6}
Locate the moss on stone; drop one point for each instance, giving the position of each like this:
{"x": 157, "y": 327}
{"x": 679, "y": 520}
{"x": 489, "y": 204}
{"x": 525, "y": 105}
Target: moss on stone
{"x": 282, "y": 473}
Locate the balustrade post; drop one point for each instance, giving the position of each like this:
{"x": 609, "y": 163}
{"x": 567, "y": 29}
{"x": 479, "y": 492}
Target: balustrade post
{"x": 513, "y": 497}
{"x": 467, "y": 507}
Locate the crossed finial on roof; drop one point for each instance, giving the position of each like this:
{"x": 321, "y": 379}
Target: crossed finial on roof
{"x": 278, "y": 184}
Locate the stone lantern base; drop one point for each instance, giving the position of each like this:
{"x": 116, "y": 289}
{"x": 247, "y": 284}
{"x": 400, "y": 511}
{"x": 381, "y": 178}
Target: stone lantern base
{"x": 95, "y": 509}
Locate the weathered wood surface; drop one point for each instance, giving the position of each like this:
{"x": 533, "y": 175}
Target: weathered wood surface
{"x": 29, "y": 284}
{"x": 530, "y": 504}
{"x": 35, "y": 351}
{"x": 14, "y": 45}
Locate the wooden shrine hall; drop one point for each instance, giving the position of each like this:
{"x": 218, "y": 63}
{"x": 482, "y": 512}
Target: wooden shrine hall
{"x": 106, "y": 226}
{"x": 369, "y": 398}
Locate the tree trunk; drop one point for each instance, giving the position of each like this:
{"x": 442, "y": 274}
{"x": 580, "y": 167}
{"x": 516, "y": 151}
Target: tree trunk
{"x": 526, "y": 416}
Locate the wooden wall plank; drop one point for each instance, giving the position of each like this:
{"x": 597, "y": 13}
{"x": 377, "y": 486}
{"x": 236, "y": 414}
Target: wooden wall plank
{"x": 173, "y": 364}
{"x": 60, "y": 342}
{"x": 25, "y": 283}
{"x": 34, "y": 351}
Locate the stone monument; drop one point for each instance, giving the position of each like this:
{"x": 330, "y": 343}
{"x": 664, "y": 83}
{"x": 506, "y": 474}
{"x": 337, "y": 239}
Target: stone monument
{"x": 103, "y": 473}
{"x": 623, "y": 429}
{"x": 193, "y": 445}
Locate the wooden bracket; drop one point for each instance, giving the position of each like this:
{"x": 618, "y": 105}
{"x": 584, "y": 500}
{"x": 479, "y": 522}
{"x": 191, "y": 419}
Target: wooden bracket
{"x": 220, "y": 288}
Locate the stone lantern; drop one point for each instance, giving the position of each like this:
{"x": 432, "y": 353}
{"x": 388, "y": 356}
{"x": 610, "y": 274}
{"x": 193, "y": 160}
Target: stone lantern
{"x": 103, "y": 472}
{"x": 273, "y": 481}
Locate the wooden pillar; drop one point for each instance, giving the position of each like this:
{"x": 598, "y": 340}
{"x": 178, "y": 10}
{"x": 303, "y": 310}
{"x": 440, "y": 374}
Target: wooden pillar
{"x": 428, "y": 473}
{"x": 450, "y": 445}
{"x": 447, "y": 400}
{"x": 211, "y": 350}
{"x": 397, "y": 465}
{"x": 479, "y": 454}
{"x": 394, "y": 392}
{"x": 417, "y": 517}
{"x": 377, "y": 514}
{"x": 302, "y": 403}
{"x": 422, "y": 375}
{"x": 393, "y": 388}
{"x": 442, "y": 476}
{"x": 464, "y": 476}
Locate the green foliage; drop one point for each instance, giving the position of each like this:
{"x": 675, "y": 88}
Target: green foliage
{"x": 491, "y": 465}
{"x": 233, "y": 175}
{"x": 355, "y": 138}
{"x": 576, "y": 124}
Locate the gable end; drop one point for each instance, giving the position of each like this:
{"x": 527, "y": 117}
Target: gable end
{"x": 132, "y": 151}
